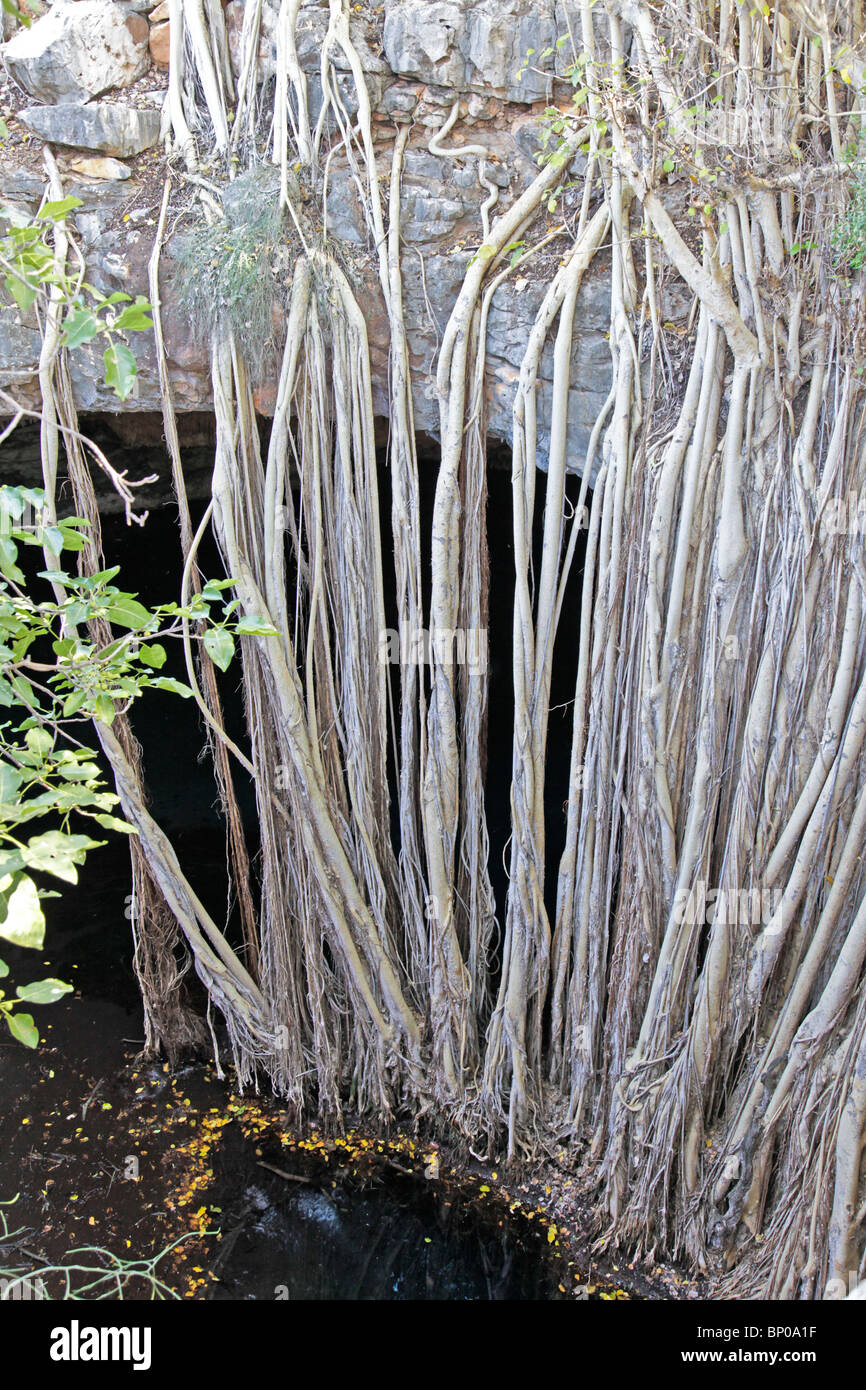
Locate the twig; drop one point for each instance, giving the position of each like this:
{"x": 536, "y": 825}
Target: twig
{"x": 281, "y": 1173}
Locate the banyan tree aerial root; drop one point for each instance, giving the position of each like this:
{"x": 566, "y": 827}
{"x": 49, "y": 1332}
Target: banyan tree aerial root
{"x": 689, "y": 1017}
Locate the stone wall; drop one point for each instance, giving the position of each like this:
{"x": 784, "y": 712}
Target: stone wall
{"x": 89, "y": 77}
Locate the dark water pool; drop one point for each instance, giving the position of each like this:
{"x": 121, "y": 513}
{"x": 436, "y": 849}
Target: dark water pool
{"x": 344, "y": 1232}
{"x": 400, "y": 1240}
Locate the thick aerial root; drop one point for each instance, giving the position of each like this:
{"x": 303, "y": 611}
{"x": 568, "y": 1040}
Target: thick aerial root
{"x": 693, "y": 1014}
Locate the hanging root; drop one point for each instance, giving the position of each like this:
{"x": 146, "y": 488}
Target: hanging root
{"x": 692, "y": 1016}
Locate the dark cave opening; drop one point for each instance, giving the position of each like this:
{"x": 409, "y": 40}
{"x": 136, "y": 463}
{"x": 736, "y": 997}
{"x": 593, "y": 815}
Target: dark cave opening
{"x": 180, "y": 780}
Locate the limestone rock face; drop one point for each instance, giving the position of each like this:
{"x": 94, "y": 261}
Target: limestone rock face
{"x": 160, "y": 38}
{"x": 77, "y": 50}
{"x": 309, "y": 38}
{"x": 422, "y": 41}
{"x": 105, "y": 127}
{"x": 94, "y": 167}
{"x": 418, "y": 58}
{"x": 473, "y": 45}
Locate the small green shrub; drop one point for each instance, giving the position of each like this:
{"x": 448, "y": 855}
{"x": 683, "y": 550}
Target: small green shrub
{"x": 849, "y": 237}
{"x": 227, "y": 273}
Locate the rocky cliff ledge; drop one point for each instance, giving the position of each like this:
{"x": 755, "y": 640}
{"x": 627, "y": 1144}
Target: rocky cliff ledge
{"x": 89, "y": 78}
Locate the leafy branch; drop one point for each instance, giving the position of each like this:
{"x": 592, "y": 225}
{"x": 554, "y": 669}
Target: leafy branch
{"x": 29, "y": 268}
{"x": 57, "y": 674}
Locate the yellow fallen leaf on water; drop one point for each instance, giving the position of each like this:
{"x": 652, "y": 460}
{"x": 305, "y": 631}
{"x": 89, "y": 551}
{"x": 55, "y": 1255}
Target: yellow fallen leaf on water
{"x": 551, "y": 1235}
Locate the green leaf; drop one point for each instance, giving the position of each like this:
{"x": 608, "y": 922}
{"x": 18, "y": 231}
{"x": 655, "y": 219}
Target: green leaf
{"x": 54, "y": 212}
{"x": 81, "y": 326}
{"x": 21, "y": 918}
{"x": 11, "y": 8}
{"x": 8, "y": 556}
{"x": 213, "y": 587}
{"x": 24, "y": 691}
{"x": 669, "y": 165}
{"x": 123, "y": 689}
{"x": 11, "y": 502}
{"x": 95, "y": 581}
{"x": 22, "y": 291}
{"x": 79, "y": 772}
{"x": 73, "y": 704}
{"x": 10, "y": 781}
{"x": 22, "y": 1027}
{"x": 103, "y": 708}
{"x": 39, "y": 741}
{"x": 169, "y": 683}
{"x": 43, "y": 991}
{"x": 135, "y": 317}
{"x": 114, "y": 823}
{"x": 58, "y": 854}
{"x": 120, "y": 369}
{"x": 127, "y": 612}
{"x": 4, "y": 970}
{"x": 52, "y": 539}
{"x": 71, "y": 539}
{"x": 220, "y": 647}
{"x": 152, "y": 655}
{"x": 254, "y": 627}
